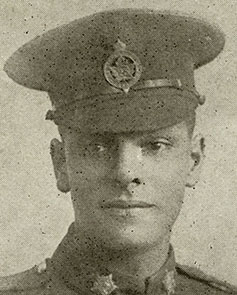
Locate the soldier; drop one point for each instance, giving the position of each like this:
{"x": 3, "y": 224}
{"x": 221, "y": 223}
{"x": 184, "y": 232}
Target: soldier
{"x": 123, "y": 96}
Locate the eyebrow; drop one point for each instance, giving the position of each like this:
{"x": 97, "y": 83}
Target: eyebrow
{"x": 166, "y": 133}
{"x": 157, "y": 135}
{"x": 141, "y": 136}
{"x": 163, "y": 132}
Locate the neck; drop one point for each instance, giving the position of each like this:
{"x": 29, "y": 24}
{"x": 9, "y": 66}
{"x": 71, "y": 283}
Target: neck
{"x": 141, "y": 264}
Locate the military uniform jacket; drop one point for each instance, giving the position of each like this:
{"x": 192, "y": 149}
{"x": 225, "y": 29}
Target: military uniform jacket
{"x": 63, "y": 275}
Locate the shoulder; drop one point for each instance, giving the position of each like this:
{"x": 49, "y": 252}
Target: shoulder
{"x": 35, "y": 278}
{"x": 193, "y": 281}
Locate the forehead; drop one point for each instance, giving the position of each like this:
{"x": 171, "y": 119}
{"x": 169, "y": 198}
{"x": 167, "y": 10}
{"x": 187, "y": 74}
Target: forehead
{"x": 178, "y": 131}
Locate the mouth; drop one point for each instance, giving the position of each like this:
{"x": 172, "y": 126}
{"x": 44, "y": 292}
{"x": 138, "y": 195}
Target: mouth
{"x": 121, "y": 204}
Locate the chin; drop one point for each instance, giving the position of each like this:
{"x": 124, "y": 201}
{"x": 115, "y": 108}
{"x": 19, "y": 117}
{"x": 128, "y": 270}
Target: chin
{"x": 129, "y": 238}
{"x": 136, "y": 232}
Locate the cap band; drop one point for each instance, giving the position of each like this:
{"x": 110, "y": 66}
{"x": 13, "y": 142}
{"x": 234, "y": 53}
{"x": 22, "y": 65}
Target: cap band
{"x": 159, "y": 83}
{"x": 175, "y": 83}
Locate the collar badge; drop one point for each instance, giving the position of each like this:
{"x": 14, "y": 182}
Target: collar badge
{"x": 104, "y": 285}
{"x": 123, "y": 68}
{"x": 169, "y": 282}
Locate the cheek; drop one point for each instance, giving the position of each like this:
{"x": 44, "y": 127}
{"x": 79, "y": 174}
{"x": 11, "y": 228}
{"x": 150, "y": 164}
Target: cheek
{"x": 82, "y": 170}
{"x": 89, "y": 182}
{"x": 171, "y": 168}
{"x": 166, "y": 182}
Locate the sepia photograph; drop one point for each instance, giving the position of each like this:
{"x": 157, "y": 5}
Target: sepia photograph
{"x": 118, "y": 147}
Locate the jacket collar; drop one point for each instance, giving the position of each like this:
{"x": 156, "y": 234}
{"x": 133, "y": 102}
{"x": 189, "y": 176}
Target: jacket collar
{"x": 78, "y": 270}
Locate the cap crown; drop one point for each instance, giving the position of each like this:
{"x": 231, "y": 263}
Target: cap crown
{"x": 81, "y": 60}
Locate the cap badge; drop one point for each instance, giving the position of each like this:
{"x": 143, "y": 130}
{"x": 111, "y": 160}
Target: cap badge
{"x": 42, "y": 267}
{"x": 123, "y": 68}
{"x": 104, "y": 285}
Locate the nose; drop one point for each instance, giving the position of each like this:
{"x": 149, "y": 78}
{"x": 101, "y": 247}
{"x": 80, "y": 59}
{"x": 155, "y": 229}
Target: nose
{"x": 128, "y": 164}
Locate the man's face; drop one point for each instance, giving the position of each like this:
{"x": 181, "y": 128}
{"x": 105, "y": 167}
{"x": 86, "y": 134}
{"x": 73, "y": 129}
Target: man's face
{"x": 127, "y": 189}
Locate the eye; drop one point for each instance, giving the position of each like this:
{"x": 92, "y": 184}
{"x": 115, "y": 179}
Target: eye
{"x": 155, "y": 146}
{"x": 97, "y": 147}
{"x": 100, "y": 148}
{"x": 94, "y": 149}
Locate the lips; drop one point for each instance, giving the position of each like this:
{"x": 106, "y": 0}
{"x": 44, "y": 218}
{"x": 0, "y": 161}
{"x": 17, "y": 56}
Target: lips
{"x": 121, "y": 204}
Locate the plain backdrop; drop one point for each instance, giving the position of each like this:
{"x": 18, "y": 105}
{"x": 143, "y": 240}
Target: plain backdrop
{"x": 34, "y": 216}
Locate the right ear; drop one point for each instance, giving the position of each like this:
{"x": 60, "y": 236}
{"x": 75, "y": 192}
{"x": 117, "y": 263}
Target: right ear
{"x": 58, "y": 157}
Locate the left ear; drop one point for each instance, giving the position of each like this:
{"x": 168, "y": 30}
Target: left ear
{"x": 196, "y": 161}
{"x": 60, "y": 166}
